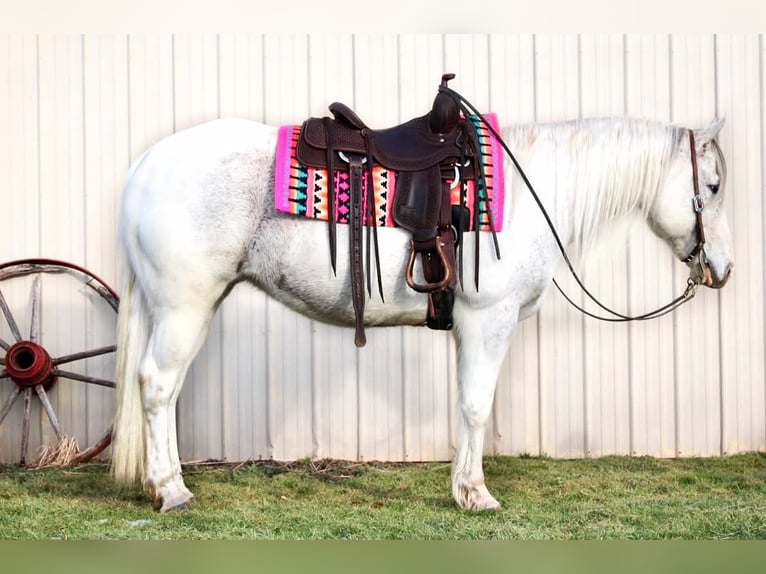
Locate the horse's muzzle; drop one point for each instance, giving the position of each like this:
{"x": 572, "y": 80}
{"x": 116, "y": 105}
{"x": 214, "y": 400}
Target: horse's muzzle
{"x": 709, "y": 279}
{"x": 702, "y": 273}
{"x": 718, "y": 283}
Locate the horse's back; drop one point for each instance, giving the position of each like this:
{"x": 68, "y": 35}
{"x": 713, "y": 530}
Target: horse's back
{"x": 203, "y": 146}
{"x": 187, "y": 167}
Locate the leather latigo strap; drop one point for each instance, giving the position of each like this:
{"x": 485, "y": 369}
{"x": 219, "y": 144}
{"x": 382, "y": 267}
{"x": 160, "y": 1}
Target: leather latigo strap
{"x": 355, "y": 247}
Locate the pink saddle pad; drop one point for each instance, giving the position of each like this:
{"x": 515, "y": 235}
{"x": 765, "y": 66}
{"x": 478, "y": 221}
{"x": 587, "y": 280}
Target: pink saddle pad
{"x": 302, "y": 190}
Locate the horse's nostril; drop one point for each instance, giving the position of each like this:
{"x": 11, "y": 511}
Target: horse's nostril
{"x": 718, "y": 283}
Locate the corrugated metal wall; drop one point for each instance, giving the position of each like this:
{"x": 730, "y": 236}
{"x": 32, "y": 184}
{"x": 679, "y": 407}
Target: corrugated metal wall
{"x": 76, "y": 110}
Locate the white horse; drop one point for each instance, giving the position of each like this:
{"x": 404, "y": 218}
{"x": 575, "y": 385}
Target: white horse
{"x": 197, "y": 217}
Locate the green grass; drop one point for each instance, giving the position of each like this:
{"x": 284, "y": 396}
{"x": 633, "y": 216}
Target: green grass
{"x": 610, "y": 498}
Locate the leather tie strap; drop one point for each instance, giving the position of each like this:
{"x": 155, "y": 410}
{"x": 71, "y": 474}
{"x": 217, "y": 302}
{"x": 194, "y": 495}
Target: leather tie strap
{"x": 372, "y": 223}
{"x": 331, "y": 222}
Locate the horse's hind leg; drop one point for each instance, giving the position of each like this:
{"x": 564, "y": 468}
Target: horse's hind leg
{"x": 176, "y": 337}
{"x": 482, "y": 340}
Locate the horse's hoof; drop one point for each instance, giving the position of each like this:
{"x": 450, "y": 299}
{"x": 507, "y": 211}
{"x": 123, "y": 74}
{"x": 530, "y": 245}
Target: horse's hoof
{"x": 171, "y": 496}
{"x": 491, "y": 505}
{"x": 176, "y": 503}
{"x": 476, "y": 499}
{"x": 482, "y": 504}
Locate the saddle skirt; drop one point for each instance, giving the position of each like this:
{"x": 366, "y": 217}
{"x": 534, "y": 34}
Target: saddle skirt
{"x": 303, "y": 190}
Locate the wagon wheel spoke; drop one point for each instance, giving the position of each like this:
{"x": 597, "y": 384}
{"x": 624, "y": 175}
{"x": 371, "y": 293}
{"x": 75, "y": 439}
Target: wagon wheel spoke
{"x": 25, "y": 426}
{"x": 84, "y": 355}
{"x": 83, "y": 378}
{"x": 34, "y": 329}
{"x": 9, "y": 403}
{"x": 9, "y": 318}
{"x": 49, "y": 410}
{"x": 33, "y": 370}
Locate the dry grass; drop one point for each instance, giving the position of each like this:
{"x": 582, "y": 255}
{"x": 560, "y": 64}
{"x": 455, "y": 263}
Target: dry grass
{"x": 60, "y": 454}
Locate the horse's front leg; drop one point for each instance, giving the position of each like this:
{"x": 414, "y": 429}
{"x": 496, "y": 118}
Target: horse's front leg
{"x": 482, "y": 337}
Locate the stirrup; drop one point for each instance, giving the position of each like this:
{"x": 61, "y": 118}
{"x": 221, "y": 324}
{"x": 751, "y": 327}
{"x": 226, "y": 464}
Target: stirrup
{"x": 428, "y": 287}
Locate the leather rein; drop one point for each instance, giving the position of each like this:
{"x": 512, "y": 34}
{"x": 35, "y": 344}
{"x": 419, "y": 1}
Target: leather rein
{"x": 698, "y": 251}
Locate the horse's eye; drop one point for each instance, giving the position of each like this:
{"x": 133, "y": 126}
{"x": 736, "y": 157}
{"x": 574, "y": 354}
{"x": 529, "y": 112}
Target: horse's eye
{"x": 713, "y": 187}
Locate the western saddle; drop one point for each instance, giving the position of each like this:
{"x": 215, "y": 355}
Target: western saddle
{"x": 430, "y": 155}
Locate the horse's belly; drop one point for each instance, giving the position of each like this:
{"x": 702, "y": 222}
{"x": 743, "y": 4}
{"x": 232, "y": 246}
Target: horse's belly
{"x": 292, "y": 264}
{"x": 328, "y": 299}
{"x": 331, "y": 304}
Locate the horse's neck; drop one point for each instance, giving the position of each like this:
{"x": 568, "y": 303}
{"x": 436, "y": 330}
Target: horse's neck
{"x": 600, "y": 170}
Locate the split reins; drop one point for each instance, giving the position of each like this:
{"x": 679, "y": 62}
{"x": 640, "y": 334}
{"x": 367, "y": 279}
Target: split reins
{"x": 698, "y": 251}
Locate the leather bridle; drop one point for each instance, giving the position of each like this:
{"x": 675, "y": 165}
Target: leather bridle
{"x": 698, "y": 251}
{"x": 698, "y": 204}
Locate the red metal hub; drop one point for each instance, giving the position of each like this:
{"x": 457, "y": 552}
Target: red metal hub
{"x": 28, "y": 364}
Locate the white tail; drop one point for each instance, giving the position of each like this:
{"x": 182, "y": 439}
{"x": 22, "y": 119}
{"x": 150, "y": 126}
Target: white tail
{"x": 132, "y": 334}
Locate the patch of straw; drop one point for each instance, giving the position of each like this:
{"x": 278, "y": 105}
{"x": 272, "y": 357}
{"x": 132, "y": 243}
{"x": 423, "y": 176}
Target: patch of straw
{"x": 60, "y": 455}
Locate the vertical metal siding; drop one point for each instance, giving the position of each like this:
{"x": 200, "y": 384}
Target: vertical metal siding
{"x": 650, "y": 366}
{"x": 741, "y": 93}
{"x": 76, "y": 110}
{"x": 606, "y": 382}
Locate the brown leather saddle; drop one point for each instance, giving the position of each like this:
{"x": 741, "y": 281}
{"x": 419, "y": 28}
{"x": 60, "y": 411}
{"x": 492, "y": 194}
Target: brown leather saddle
{"x": 429, "y": 154}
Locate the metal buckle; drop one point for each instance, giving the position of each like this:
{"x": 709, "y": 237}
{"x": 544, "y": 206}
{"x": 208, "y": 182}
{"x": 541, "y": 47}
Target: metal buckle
{"x": 344, "y": 157}
{"x": 691, "y": 288}
{"x": 456, "y": 179}
{"x": 698, "y": 203}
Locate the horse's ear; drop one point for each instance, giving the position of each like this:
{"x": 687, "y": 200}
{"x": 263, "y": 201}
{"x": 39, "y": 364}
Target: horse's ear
{"x": 709, "y": 133}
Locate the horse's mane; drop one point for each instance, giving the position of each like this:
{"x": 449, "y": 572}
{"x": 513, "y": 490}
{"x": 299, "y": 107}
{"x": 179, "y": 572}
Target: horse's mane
{"x": 611, "y": 167}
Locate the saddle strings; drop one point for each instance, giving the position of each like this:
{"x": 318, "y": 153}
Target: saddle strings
{"x": 469, "y": 109}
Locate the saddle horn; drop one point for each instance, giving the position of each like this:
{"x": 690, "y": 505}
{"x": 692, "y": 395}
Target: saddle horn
{"x": 445, "y": 112}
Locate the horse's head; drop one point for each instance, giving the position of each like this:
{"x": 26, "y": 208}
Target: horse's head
{"x": 705, "y": 248}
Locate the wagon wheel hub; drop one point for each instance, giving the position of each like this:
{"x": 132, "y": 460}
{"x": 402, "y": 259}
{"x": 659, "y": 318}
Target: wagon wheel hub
{"x": 33, "y": 371}
{"x": 29, "y": 364}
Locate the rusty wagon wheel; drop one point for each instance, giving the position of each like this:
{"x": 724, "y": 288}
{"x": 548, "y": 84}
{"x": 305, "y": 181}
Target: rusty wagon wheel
{"x": 56, "y": 361}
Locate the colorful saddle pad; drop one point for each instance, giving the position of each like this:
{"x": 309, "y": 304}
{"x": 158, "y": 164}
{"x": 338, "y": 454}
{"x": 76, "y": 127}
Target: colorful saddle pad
{"x": 301, "y": 190}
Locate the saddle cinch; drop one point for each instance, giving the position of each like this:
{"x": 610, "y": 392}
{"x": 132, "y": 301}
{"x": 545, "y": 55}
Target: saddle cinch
{"x": 430, "y": 155}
